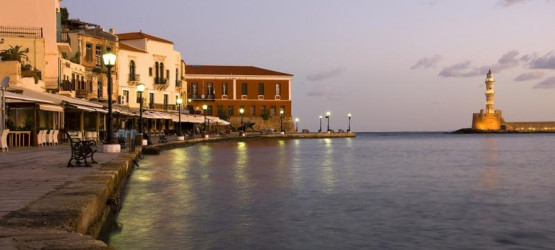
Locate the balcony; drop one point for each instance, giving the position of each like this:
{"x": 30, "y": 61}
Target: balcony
{"x": 161, "y": 83}
{"x": 82, "y": 93}
{"x": 66, "y": 85}
{"x": 202, "y": 97}
{"x": 21, "y": 31}
{"x": 178, "y": 83}
{"x": 134, "y": 79}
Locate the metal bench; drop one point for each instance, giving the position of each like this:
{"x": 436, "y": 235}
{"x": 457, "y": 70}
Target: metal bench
{"x": 81, "y": 150}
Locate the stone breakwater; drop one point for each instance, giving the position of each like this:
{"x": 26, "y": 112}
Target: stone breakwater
{"x": 71, "y": 216}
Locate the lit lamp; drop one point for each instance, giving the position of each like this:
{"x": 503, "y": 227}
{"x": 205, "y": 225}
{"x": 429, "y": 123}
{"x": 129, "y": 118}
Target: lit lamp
{"x": 180, "y": 137}
{"x": 281, "y": 121}
{"x": 190, "y": 105}
{"x": 241, "y": 112}
{"x": 141, "y": 89}
{"x": 328, "y": 114}
{"x": 109, "y": 145}
{"x": 320, "y": 124}
{"x": 349, "y": 129}
{"x": 204, "y": 108}
{"x": 297, "y": 124}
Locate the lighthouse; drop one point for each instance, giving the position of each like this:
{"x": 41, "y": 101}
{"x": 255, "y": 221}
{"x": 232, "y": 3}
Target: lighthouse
{"x": 490, "y": 93}
{"x": 488, "y": 119}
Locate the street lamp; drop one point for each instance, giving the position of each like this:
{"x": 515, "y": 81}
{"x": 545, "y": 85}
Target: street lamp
{"x": 297, "y": 124}
{"x": 190, "y": 106}
{"x": 328, "y": 114}
{"x": 110, "y": 146}
{"x": 204, "y": 108}
{"x": 281, "y": 121}
{"x": 241, "y": 112}
{"x": 179, "y": 101}
{"x": 320, "y": 124}
{"x": 349, "y": 129}
{"x": 141, "y": 89}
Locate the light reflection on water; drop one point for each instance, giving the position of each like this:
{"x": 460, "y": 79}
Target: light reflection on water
{"x": 377, "y": 191}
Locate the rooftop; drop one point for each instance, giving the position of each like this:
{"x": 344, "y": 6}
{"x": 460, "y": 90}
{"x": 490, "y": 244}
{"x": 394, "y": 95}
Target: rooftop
{"x": 230, "y": 70}
{"x": 123, "y": 46}
{"x": 141, "y": 35}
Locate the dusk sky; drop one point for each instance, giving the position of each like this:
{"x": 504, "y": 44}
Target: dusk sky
{"x": 396, "y": 65}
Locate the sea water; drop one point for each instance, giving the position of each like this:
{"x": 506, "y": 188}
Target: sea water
{"x": 375, "y": 191}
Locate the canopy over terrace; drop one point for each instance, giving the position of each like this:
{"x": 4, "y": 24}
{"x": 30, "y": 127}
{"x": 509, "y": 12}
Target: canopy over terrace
{"x": 80, "y": 115}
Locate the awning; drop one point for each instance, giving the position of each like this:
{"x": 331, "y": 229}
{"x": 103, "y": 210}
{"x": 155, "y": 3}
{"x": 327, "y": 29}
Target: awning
{"x": 102, "y": 110}
{"x": 53, "y": 108}
{"x": 14, "y": 98}
{"x": 83, "y": 108}
{"x": 217, "y": 120}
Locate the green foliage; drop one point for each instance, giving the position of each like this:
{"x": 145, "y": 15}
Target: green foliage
{"x": 76, "y": 58}
{"x": 26, "y": 67}
{"x": 64, "y": 15}
{"x": 28, "y": 124}
{"x": 10, "y": 125}
{"x": 64, "y": 55}
{"x": 222, "y": 114}
{"x": 265, "y": 116}
{"x": 14, "y": 54}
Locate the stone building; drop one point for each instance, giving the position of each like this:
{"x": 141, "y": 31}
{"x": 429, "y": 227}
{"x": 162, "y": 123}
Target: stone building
{"x": 261, "y": 93}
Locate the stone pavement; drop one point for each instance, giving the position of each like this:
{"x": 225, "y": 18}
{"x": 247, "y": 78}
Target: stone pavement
{"x": 26, "y": 174}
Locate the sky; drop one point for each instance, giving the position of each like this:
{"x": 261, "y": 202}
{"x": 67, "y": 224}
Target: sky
{"x": 396, "y": 65}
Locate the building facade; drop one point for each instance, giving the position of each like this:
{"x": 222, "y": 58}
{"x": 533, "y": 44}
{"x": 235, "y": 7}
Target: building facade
{"x": 261, "y": 93}
{"x": 150, "y": 60}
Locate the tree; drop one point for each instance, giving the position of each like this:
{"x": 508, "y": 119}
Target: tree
{"x": 64, "y": 14}
{"x": 265, "y": 116}
{"x": 14, "y": 54}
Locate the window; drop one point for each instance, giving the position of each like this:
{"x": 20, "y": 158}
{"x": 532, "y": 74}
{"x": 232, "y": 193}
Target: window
{"x": 278, "y": 88}
{"x": 88, "y": 52}
{"x": 90, "y": 86}
{"x": 273, "y": 110}
{"x": 244, "y": 88}
{"x": 230, "y": 110}
{"x": 150, "y": 71}
{"x": 252, "y": 111}
{"x": 156, "y": 77}
{"x": 108, "y": 48}
{"x": 261, "y": 89}
{"x": 98, "y": 53}
{"x": 132, "y": 70}
{"x": 162, "y": 80}
{"x": 224, "y": 88}
{"x": 99, "y": 90}
{"x": 177, "y": 82}
{"x": 209, "y": 109}
{"x": 151, "y": 100}
{"x": 195, "y": 89}
{"x": 138, "y": 100}
{"x": 210, "y": 88}
{"x": 262, "y": 109}
{"x": 166, "y": 101}
{"x": 126, "y": 96}
{"x": 167, "y": 76}
{"x": 73, "y": 81}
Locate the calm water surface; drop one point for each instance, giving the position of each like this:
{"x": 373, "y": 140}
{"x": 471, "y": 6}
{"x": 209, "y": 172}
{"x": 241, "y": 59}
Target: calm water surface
{"x": 376, "y": 191}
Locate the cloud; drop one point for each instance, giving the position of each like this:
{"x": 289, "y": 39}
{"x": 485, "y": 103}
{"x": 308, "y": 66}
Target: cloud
{"x": 548, "y": 83}
{"x": 536, "y": 75}
{"x": 427, "y": 62}
{"x": 324, "y": 75}
{"x": 328, "y": 92}
{"x": 543, "y": 62}
{"x": 465, "y": 68}
{"x": 512, "y": 2}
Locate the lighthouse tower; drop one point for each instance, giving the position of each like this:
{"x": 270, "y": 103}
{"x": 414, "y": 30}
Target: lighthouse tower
{"x": 489, "y": 119}
{"x": 490, "y": 93}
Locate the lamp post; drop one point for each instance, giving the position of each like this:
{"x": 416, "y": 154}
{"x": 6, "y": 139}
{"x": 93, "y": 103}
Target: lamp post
{"x": 110, "y": 146}
{"x": 320, "y": 124}
{"x": 297, "y": 124}
{"x": 180, "y": 137}
{"x": 190, "y": 106}
{"x": 349, "y": 129}
{"x": 241, "y": 112}
{"x": 328, "y": 114}
{"x": 204, "y": 108}
{"x": 281, "y": 121}
{"x": 141, "y": 89}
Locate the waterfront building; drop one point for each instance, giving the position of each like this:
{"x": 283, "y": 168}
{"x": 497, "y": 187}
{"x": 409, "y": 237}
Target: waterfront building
{"x": 491, "y": 119}
{"x": 261, "y": 93}
{"x": 153, "y": 61}
{"x": 88, "y": 43}
{"x": 35, "y": 26}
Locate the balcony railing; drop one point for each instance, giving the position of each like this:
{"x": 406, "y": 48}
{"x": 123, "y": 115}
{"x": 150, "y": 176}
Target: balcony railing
{"x": 134, "y": 78}
{"x": 178, "y": 83}
{"x": 20, "y": 31}
{"x": 82, "y": 93}
{"x": 66, "y": 85}
{"x": 160, "y": 80}
{"x": 64, "y": 38}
